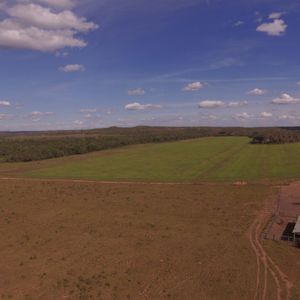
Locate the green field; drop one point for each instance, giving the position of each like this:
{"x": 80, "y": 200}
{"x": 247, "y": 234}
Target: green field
{"x": 222, "y": 158}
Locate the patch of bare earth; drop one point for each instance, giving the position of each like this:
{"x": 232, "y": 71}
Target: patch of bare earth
{"x": 66, "y": 240}
{"x": 267, "y": 268}
{"x": 284, "y": 254}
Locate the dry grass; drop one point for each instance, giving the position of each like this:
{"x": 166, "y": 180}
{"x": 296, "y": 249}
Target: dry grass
{"x": 93, "y": 241}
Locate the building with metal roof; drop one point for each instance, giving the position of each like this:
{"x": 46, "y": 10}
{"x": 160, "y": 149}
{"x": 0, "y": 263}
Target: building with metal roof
{"x": 296, "y": 232}
{"x": 297, "y": 227}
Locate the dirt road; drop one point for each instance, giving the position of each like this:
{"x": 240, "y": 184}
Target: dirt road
{"x": 266, "y": 267}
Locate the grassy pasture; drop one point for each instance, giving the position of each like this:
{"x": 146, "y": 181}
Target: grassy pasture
{"x": 219, "y": 158}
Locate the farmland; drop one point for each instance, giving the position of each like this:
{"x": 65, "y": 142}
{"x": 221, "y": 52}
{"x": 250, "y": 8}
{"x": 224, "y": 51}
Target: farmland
{"x": 94, "y": 241}
{"x": 156, "y": 221}
{"x": 208, "y": 159}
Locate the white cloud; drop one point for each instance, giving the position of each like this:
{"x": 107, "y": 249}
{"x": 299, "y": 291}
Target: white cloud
{"x": 53, "y": 3}
{"x": 276, "y": 28}
{"x": 88, "y": 110}
{"x": 218, "y": 103}
{"x": 138, "y": 106}
{"x": 5, "y": 103}
{"x": 276, "y": 15}
{"x": 285, "y": 99}
{"x": 265, "y": 114}
{"x": 40, "y": 114}
{"x": 257, "y": 92}
{"x": 137, "y": 92}
{"x": 237, "y": 104}
{"x": 238, "y": 23}
{"x": 15, "y": 35}
{"x": 211, "y": 104}
{"x": 44, "y": 18}
{"x": 194, "y": 86}
{"x": 72, "y": 68}
{"x": 298, "y": 83}
{"x": 31, "y": 26}
{"x": 78, "y": 122}
{"x": 287, "y": 117}
{"x": 242, "y": 116}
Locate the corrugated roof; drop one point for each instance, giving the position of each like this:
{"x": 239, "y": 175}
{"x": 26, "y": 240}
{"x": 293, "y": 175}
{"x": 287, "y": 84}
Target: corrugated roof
{"x": 297, "y": 226}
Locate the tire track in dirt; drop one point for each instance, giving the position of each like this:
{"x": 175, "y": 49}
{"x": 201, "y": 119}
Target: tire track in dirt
{"x": 258, "y": 263}
{"x": 264, "y": 261}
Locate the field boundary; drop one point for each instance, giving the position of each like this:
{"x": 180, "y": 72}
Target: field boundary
{"x": 99, "y": 181}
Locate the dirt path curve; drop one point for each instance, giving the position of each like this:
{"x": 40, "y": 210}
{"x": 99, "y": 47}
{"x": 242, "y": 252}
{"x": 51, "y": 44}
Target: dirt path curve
{"x": 266, "y": 267}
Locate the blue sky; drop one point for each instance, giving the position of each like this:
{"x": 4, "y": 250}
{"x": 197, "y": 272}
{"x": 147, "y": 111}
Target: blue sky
{"x": 84, "y": 64}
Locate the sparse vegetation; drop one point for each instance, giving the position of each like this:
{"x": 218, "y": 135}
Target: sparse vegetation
{"x": 159, "y": 242}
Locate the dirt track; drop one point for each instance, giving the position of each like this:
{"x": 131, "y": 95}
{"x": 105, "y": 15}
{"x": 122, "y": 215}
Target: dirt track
{"x": 265, "y": 265}
{"x": 94, "y": 181}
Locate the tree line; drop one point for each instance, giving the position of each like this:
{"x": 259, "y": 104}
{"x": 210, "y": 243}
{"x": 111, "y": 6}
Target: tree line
{"x": 34, "y": 146}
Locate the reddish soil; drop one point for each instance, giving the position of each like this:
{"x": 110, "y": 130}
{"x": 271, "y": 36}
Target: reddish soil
{"x": 267, "y": 268}
{"x": 287, "y": 210}
{"x": 81, "y": 240}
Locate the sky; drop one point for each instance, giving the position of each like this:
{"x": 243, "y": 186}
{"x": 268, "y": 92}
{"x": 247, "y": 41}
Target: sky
{"x": 70, "y": 64}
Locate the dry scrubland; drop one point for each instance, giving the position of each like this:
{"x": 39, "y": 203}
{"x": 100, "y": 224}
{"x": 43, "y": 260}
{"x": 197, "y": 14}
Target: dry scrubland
{"x": 93, "y": 241}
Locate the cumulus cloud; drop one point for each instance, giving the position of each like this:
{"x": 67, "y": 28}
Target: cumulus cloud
{"x": 35, "y": 27}
{"x": 287, "y": 117}
{"x": 72, "y": 68}
{"x": 40, "y": 114}
{"x": 238, "y": 23}
{"x": 53, "y": 3}
{"x": 276, "y": 15}
{"x": 211, "y": 104}
{"x": 15, "y": 35}
{"x": 265, "y": 114}
{"x": 44, "y": 18}
{"x": 78, "y": 122}
{"x": 137, "y": 92}
{"x": 242, "y": 116}
{"x": 285, "y": 99}
{"x": 218, "y": 103}
{"x": 88, "y": 110}
{"x": 194, "y": 86}
{"x": 138, "y": 106}
{"x": 275, "y": 28}
{"x": 237, "y": 104}
{"x": 5, "y": 103}
{"x": 257, "y": 92}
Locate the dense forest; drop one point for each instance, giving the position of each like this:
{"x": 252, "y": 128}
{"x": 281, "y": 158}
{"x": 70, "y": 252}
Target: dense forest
{"x": 32, "y": 146}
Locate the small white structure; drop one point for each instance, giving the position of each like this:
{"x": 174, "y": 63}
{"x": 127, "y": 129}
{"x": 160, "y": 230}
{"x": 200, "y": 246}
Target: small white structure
{"x": 296, "y": 231}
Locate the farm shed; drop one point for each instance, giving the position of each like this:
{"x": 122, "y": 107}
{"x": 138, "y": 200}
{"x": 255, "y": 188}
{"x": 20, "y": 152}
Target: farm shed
{"x": 288, "y": 234}
{"x": 296, "y": 232}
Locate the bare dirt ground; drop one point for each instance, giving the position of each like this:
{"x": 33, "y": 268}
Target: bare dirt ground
{"x": 267, "y": 269}
{"x": 84, "y": 240}
{"x": 287, "y": 209}
{"x": 283, "y": 255}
